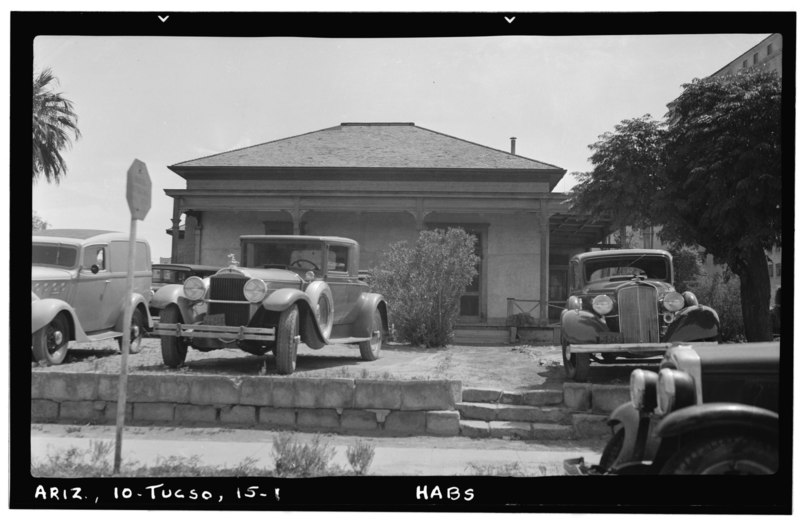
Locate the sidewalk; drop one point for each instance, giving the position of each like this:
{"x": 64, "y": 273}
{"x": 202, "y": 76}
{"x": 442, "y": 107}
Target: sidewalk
{"x": 410, "y": 456}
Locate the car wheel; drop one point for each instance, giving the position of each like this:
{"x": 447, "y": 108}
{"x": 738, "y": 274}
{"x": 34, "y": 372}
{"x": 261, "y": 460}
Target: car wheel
{"x": 371, "y": 349}
{"x": 49, "y": 344}
{"x": 612, "y": 450}
{"x": 729, "y": 455}
{"x": 576, "y": 366}
{"x": 173, "y": 348}
{"x": 286, "y": 344}
{"x": 137, "y": 332}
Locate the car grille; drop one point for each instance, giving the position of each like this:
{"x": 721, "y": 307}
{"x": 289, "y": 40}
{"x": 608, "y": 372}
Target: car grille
{"x": 638, "y": 314}
{"x": 229, "y": 288}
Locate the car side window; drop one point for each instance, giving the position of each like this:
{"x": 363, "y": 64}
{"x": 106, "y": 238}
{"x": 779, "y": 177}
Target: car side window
{"x": 337, "y": 258}
{"x": 94, "y": 255}
{"x": 574, "y": 276}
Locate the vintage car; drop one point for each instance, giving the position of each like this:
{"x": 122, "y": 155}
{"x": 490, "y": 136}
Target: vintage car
{"x": 623, "y": 303}
{"x": 78, "y": 289}
{"x": 171, "y": 273}
{"x": 287, "y": 289}
{"x": 709, "y": 410}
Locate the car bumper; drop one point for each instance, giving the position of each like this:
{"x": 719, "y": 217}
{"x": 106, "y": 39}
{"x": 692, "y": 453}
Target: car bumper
{"x": 644, "y": 348}
{"x": 214, "y": 331}
{"x": 578, "y": 467}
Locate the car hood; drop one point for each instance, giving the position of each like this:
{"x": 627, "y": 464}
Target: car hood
{"x": 275, "y": 275}
{"x": 611, "y": 287}
{"x": 41, "y": 273}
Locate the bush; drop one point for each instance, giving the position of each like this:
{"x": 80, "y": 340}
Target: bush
{"x": 360, "y": 456}
{"x": 687, "y": 266}
{"x": 721, "y": 293}
{"x": 424, "y": 284}
{"x": 296, "y": 460}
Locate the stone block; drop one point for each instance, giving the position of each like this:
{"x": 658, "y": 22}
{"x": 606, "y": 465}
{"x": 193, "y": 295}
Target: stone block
{"x": 81, "y": 411}
{"x": 334, "y": 393}
{"x": 405, "y": 422}
{"x": 318, "y": 418}
{"x": 539, "y": 398}
{"x": 478, "y": 411}
{"x": 428, "y": 395}
{"x": 510, "y": 429}
{"x": 58, "y": 386}
{"x": 110, "y": 412}
{"x": 359, "y": 420}
{"x": 277, "y": 417}
{"x": 195, "y": 413}
{"x": 380, "y": 414}
{"x": 283, "y": 392}
{"x": 442, "y": 422}
{"x": 578, "y": 396}
{"x": 551, "y": 415}
{"x": 215, "y": 390}
{"x": 256, "y": 390}
{"x": 146, "y": 388}
{"x": 378, "y": 394}
{"x": 147, "y": 411}
{"x": 474, "y": 429}
{"x": 606, "y": 398}
{"x": 552, "y": 431}
{"x": 515, "y": 413}
{"x": 511, "y": 398}
{"x": 590, "y": 425}
{"x": 481, "y": 395}
{"x": 238, "y": 415}
{"x": 44, "y": 410}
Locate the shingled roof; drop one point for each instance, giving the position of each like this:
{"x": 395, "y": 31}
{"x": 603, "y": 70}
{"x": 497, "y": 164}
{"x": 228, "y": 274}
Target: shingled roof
{"x": 370, "y": 145}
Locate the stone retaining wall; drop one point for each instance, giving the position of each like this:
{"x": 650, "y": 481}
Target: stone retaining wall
{"x": 391, "y": 407}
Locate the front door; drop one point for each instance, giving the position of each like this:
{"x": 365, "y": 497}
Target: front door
{"x": 471, "y": 299}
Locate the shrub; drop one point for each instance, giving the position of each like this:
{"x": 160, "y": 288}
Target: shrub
{"x": 687, "y": 266}
{"x": 424, "y": 284}
{"x": 360, "y": 456}
{"x": 721, "y": 293}
{"x": 301, "y": 460}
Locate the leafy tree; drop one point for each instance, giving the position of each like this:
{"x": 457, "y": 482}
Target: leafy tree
{"x": 54, "y": 119}
{"x": 687, "y": 267}
{"x": 38, "y": 223}
{"x": 425, "y": 282}
{"x": 712, "y": 177}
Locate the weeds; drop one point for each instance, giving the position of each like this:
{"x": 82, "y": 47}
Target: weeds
{"x": 360, "y": 457}
{"x": 507, "y": 469}
{"x": 296, "y": 460}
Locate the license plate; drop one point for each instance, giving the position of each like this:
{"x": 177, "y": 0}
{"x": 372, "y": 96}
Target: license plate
{"x": 214, "y": 319}
{"x": 611, "y": 337}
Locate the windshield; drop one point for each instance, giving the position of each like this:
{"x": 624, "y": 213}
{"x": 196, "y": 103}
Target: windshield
{"x": 56, "y": 255}
{"x": 624, "y": 268}
{"x": 291, "y": 255}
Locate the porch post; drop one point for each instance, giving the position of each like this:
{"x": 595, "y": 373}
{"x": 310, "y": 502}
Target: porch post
{"x": 176, "y": 229}
{"x": 544, "y": 248}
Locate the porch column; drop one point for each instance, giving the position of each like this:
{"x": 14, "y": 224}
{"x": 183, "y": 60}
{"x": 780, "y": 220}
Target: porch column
{"x": 297, "y": 216}
{"x": 544, "y": 263}
{"x": 198, "y": 235}
{"x": 176, "y": 229}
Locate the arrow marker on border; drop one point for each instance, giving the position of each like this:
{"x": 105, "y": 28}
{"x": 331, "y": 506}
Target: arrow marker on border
{"x": 164, "y": 18}
{"x": 509, "y": 20}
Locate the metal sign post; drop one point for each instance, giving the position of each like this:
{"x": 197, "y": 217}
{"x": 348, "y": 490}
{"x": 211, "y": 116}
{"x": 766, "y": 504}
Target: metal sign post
{"x": 138, "y": 193}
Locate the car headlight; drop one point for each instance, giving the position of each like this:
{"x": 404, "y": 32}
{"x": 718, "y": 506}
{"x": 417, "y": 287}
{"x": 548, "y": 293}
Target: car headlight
{"x": 690, "y": 298}
{"x": 673, "y": 301}
{"x": 644, "y": 385}
{"x": 602, "y": 304}
{"x": 194, "y": 288}
{"x": 574, "y": 303}
{"x": 675, "y": 390}
{"x": 255, "y": 290}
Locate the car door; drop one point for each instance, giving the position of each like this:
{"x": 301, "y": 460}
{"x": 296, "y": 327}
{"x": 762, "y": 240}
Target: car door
{"x": 345, "y": 287}
{"x": 91, "y": 298}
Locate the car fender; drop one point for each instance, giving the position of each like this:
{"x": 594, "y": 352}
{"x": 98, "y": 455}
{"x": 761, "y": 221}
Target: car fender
{"x": 717, "y": 415}
{"x": 311, "y": 332}
{"x": 635, "y": 449}
{"x": 173, "y": 295}
{"x": 696, "y": 322}
{"x": 43, "y": 312}
{"x": 578, "y": 326}
{"x": 137, "y": 302}
{"x": 366, "y": 306}
{"x": 315, "y": 290}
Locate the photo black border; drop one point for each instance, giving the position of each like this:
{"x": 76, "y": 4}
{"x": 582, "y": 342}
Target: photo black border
{"x": 653, "y": 494}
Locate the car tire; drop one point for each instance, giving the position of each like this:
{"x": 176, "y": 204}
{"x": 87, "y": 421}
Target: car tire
{"x": 612, "y": 450}
{"x": 576, "y": 366}
{"x": 137, "y": 332}
{"x": 371, "y": 349}
{"x": 286, "y": 343}
{"x": 724, "y": 454}
{"x": 50, "y": 343}
{"x": 173, "y": 348}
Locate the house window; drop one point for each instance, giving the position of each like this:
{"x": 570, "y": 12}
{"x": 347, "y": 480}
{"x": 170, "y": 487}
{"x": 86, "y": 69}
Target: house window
{"x": 769, "y": 49}
{"x": 744, "y": 64}
{"x": 755, "y": 58}
{"x": 778, "y": 270}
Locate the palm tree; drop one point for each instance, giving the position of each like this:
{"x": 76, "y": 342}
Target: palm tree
{"x": 53, "y": 120}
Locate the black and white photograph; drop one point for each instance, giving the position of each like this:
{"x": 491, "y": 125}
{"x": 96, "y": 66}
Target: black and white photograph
{"x": 403, "y": 261}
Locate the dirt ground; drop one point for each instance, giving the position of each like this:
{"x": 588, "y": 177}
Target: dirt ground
{"x": 507, "y": 367}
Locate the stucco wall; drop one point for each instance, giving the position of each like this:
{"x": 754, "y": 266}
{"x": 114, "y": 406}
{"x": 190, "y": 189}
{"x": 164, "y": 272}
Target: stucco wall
{"x": 221, "y": 231}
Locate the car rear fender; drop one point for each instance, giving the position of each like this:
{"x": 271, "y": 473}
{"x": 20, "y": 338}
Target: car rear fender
{"x": 310, "y": 331}
{"x": 717, "y": 416}
{"x": 366, "y": 305}
{"x": 43, "y": 312}
{"x": 579, "y": 327}
{"x": 137, "y": 302}
{"x": 694, "y": 323}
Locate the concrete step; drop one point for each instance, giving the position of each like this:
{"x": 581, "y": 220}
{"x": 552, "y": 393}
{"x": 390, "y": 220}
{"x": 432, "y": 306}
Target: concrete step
{"x": 504, "y": 412}
{"x": 534, "y": 398}
{"x": 481, "y": 336}
{"x": 516, "y": 430}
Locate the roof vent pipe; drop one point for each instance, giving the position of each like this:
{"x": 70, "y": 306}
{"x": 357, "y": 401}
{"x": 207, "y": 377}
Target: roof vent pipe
{"x": 513, "y": 145}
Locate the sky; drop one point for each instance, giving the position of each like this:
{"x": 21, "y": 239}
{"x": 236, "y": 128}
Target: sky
{"x": 165, "y": 100}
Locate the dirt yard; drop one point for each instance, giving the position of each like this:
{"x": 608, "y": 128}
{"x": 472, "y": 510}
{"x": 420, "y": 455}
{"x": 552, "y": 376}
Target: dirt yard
{"x": 508, "y": 367}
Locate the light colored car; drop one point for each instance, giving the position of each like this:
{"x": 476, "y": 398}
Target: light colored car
{"x": 78, "y": 284}
{"x": 287, "y": 289}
